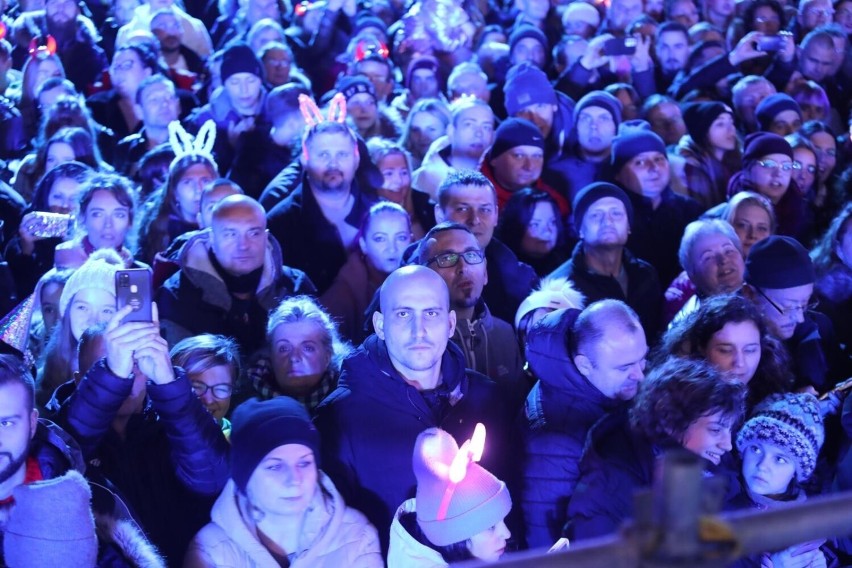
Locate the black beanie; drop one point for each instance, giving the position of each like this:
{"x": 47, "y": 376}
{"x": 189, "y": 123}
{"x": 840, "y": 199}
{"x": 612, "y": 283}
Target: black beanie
{"x": 600, "y": 99}
{"x": 760, "y": 144}
{"x": 595, "y": 191}
{"x": 258, "y": 427}
{"x": 625, "y": 147}
{"x": 525, "y": 31}
{"x": 698, "y": 118}
{"x": 777, "y": 263}
{"x": 514, "y": 132}
{"x": 352, "y": 85}
{"x": 239, "y": 58}
{"x": 769, "y": 108}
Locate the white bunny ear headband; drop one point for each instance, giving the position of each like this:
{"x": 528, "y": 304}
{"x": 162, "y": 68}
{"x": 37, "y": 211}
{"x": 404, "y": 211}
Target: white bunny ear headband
{"x": 183, "y": 143}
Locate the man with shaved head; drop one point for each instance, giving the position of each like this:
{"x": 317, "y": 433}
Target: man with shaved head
{"x": 405, "y": 378}
{"x": 231, "y": 275}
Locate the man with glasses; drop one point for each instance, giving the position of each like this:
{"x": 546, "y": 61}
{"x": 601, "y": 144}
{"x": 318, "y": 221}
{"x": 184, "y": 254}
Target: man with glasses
{"x": 467, "y": 197}
{"x": 405, "y": 378}
{"x": 489, "y": 343}
{"x": 780, "y": 277}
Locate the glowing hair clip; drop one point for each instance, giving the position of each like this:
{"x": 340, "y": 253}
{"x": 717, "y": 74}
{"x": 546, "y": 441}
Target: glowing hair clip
{"x": 471, "y": 451}
{"x": 303, "y": 8}
{"x": 183, "y": 143}
{"x": 3, "y": 30}
{"x": 42, "y": 47}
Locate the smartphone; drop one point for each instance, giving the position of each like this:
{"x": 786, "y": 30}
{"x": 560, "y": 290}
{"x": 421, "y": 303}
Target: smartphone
{"x": 770, "y": 43}
{"x": 134, "y": 287}
{"x": 620, "y": 46}
{"x": 43, "y": 224}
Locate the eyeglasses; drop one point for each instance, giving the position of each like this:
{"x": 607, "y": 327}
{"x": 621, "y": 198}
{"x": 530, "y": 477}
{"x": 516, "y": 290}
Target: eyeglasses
{"x": 789, "y": 312}
{"x": 827, "y": 12}
{"x": 126, "y": 65}
{"x": 278, "y": 62}
{"x": 450, "y": 259}
{"x": 810, "y": 169}
{"x": 220, "y": 391}
{"x": 773, "y": 165}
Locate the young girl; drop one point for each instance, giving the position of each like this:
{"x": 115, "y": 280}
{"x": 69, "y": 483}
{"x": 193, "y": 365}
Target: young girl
{"x": 446, "y": 521}
{"x": 779, "y": 446}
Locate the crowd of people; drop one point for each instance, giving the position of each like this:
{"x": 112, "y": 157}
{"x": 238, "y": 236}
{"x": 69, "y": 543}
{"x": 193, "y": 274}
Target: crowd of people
{"x": 432, "y": 280}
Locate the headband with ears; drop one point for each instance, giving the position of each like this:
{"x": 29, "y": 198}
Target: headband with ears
{"x": 183, "y": 143}
{"x": 313, "y": 115}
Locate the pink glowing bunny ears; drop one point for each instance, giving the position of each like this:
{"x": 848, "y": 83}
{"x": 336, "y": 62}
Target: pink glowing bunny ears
{"x": 313, "y": 115}
{"x": 471, "y": 451}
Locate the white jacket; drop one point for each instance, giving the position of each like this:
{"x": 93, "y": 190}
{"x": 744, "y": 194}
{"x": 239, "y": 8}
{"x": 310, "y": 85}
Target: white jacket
{"x": 333, "y": 535}
{"x": 405, "y": 551}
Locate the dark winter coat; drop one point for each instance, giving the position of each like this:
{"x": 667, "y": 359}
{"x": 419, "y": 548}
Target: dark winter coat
{"x": 655, "y": 234}
{"x": 616, "y": 463}
{"x": 559, "y": 412}
{"x": 309, "y": 241}
{"x": 171, "y": 463}
{"x": 510, "y": 281}
{"x": 370, "y": 423}
{"x": 643, "y": 286}
{"x": 196, "y": 300}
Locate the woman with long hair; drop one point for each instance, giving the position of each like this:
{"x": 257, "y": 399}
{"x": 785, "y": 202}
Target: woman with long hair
{"x": 426, "y": 122}
{"x": 173, "y": 209}
{"x": 530, "y": 225}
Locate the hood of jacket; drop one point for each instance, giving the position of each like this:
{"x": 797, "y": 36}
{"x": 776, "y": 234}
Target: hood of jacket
{"x": 405, "y": 551}
{"x": 196, "y": 266}
{"x": 560, "y": 386}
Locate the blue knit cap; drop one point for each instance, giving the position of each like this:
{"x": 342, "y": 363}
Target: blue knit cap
{"x": 625, "y": 147}
{"x": 791, "y": 421}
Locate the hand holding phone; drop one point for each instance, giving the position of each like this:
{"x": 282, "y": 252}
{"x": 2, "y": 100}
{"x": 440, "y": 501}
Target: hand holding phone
{"x": 620, "y": 46}
{"x": 43, "y": 224}
{"x": 770, "y": 43}
{"x": 134, "y": 288}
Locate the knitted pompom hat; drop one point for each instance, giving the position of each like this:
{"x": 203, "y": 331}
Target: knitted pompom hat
{"x": 450, "y": 512}
{"x": 97, "y": 272}
{"x": 791, "y": 421}
{"x": 51, "y": 524}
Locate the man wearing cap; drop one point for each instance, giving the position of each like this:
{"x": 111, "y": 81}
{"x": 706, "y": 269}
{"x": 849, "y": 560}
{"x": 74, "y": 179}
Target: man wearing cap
{"x": 421, "y": 82}
{"x": 238, "y": 106}
{"x": 601, "y": 266}
{"x": 596, "y": 120}
{"x": 516, "y": 160}
{"x": 582, "y": 19}
{"x": 639, "y": 165}
{"x": 404, "y": 379}
{"x": 363, "y": 110}
{"x": 489, "y": 343}
{"x": 527, "y": 43}
{"x": 587, "y": 364}
{"x": 780, "y": 279}
{"x": 779, "y": 114}
{"x": 529, "y": 94}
